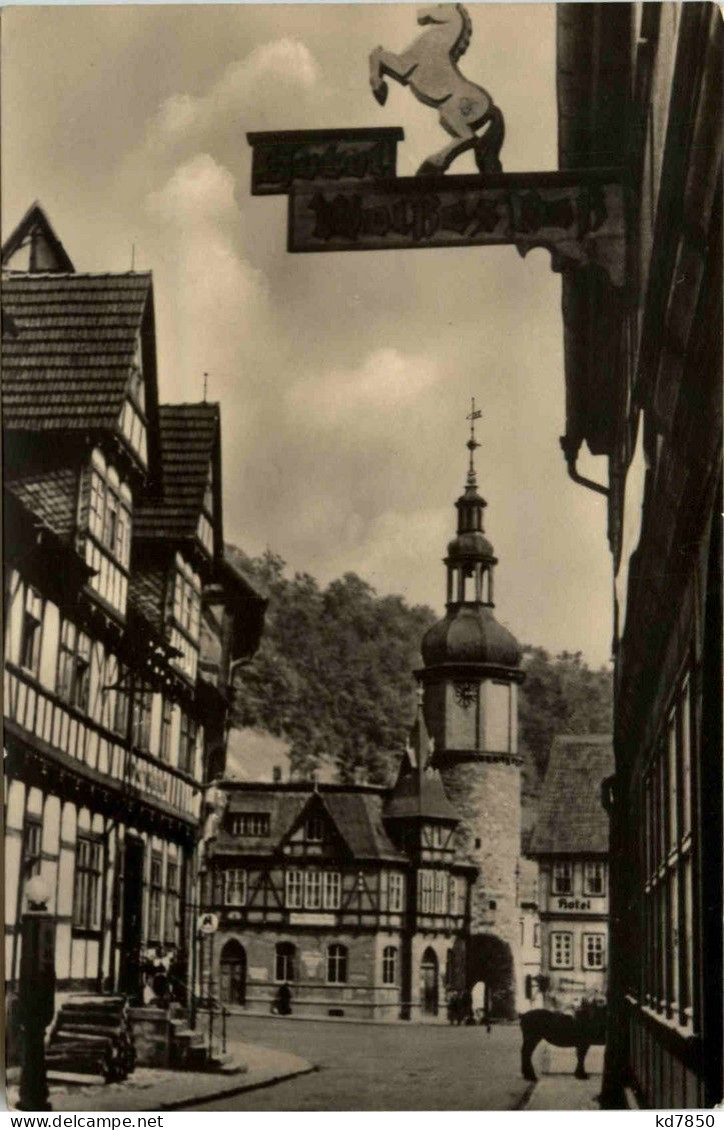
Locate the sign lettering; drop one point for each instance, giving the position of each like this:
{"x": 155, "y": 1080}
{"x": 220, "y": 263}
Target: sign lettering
{"x": 581, "y": 222}
{"x": 312, "y": 156}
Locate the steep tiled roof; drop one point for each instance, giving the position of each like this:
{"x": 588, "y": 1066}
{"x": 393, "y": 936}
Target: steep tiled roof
{"x": 356, "y": 814}
{"x": 188, "y": 436}
{"x": 68, "y": 344}
{"x": 418, "y": 792}
{"x": 358, "y": 817}
{"x": 571, "y": 818}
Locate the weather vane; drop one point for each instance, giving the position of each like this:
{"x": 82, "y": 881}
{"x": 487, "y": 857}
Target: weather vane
{"x": 473, "y": 415}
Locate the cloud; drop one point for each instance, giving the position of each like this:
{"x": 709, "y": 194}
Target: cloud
{"x": 281, "y": 76}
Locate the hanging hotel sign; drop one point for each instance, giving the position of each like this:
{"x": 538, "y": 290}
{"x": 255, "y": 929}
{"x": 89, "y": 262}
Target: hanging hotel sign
{"x": 321, "y": 156}
{"x": 579, "y": 218}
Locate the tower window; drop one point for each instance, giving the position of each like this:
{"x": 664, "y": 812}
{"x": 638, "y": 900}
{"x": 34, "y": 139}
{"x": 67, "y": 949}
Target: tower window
{"x": 478, "y": 842}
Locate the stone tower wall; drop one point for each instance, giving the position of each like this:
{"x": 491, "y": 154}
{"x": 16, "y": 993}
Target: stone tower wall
{"x": 487, "y": 796}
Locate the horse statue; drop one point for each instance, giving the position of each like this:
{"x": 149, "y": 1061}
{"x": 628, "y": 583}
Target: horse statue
{"x": 429, "y": 67}
{"x": 586, "y": 1027}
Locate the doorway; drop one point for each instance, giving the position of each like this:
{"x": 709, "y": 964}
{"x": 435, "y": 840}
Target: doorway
{"x": 132, "y": 911}
{"x": 232, "y": 973}
{"x": 429, "y": 976}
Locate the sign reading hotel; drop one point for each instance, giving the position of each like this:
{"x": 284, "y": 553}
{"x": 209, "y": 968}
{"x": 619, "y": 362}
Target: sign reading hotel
{"x": 568, "y": 904}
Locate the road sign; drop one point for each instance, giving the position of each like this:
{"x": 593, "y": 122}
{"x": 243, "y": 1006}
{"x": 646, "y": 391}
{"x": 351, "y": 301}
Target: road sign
{"x": 328, "y": 155}
{"x": 578, "y": 216}
{"x": 208, "y": 923}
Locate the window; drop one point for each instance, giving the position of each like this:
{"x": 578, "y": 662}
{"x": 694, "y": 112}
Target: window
{"x": 396, "y": 896}
{"x": 562, "y": 877}
{"x": 235, "y": 887}
{"x": 120, "y": 713}
{"x": 284, "y": 962}
{"x": 315, "y": 829}
{"x": 73, "y": 681}
{"x": 250, "y": 824}
{"x": 332, "y": 890}
{"x": 164, "y": 750}
{"x": 294, "y": 889}
{"x": 172, "y": 902}
{"x": 313, "y": 890}
{"x": 536, "y": 934}
{"x": 594, "y": 951}
{"x": 109, "y": 510}
{"x": 32, "y": 839}
{"x": 666, "y": 974}
{"x": 31, "y": 631}
{"x": 141, "y": 717}
{"x": 155, "y": 894}
{"x": 87, "y": 890}
{"x": 205, "y": 533}
{"x": 440, "y": 903}
{"x": 187, "y": 745}
{"x": 594, "y": 878}
{"x": 186, "y": 598}
{"x": 389, "y": 965}
{"x": 425, "y": 892}
{"x": 561, "y": 950}
{"x": 337, "y": 965}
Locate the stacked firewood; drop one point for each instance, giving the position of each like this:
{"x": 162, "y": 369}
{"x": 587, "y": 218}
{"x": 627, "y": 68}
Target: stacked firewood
{"x": 92, "y": 1035}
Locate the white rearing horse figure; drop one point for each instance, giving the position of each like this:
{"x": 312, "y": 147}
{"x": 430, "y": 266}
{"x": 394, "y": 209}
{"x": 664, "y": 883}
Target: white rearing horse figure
{"x": 429, "y": 67}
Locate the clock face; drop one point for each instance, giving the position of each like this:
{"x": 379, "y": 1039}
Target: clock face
{"x": 466, "y": 694}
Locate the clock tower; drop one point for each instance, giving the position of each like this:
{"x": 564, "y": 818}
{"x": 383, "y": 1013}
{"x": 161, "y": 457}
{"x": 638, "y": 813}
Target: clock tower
{"x": 470, "y": 678}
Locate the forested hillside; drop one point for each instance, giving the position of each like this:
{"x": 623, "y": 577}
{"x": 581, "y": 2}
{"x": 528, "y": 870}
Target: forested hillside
{"x": 333, "y": 676}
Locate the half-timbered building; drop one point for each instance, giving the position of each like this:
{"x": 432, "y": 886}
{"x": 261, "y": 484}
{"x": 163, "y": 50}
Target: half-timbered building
{"x": 353, "y": 896}
{"x": 113, "y": 547}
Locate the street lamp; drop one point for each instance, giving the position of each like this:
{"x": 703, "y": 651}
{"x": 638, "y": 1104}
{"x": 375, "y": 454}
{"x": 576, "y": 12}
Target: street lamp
{"x": 36, "y": 993}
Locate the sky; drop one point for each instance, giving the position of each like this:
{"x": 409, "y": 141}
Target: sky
{"x": 344, "y": 380}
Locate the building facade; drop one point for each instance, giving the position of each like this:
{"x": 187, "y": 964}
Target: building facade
{"x": 352, "y": 896}
{"x": 639, "y": 90}
{"x": 570, "y": 845}
{"x": 113, "y": 545}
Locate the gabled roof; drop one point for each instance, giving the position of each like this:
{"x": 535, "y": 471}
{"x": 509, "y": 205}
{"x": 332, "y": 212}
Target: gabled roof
{"x": 69, "y": 348}
{"x": 571, "y": 817}
{"x": 355, "y": 813}
{"x": 190, "y": 440}
{"x": 35, "y": 230}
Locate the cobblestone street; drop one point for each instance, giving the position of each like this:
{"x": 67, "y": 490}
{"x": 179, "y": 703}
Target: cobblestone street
{"x": 386, "y": 1067}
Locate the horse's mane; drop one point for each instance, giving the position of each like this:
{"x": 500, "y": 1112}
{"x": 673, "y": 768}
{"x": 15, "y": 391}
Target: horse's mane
{"x": 465, "y": 34}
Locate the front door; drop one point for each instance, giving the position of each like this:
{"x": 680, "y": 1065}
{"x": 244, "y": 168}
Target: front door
{"x": 130, "y": 972}
{"x": 429, "y": 982}
{"x": 232, "y": 973}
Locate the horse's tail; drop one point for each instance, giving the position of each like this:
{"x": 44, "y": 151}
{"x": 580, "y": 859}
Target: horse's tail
{"x": 487, "y": 151}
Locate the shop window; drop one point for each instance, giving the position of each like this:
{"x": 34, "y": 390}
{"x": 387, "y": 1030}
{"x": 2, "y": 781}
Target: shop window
{"x": 155, "y": 896}
{"x": 561, "y": 950}
{"x": 87, "y": 887}
{"x": 389, "y": 965}
{"x": 284, "y": 962}
{"x": 173, "y": 895}
{"x": 336, "y": 964}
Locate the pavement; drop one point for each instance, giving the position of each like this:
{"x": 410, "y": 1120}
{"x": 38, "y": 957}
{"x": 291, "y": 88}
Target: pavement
{"x": 152, "y": 1088}
{"x": 557, "y": 1087}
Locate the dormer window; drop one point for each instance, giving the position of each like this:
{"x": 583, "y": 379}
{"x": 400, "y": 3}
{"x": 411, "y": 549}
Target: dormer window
{"x": 133, "y": 416}
{"x": 105, "y": 522}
